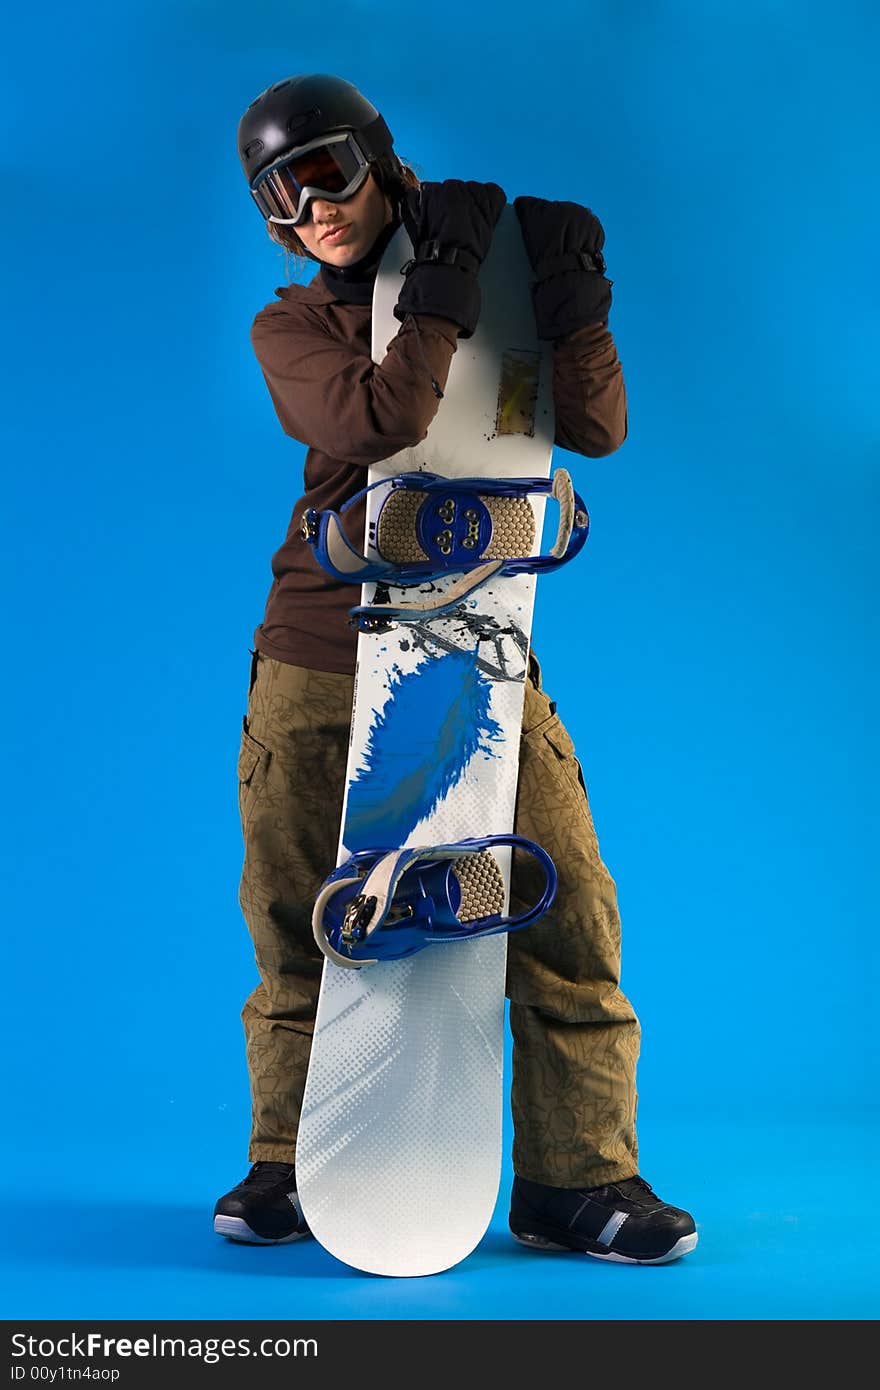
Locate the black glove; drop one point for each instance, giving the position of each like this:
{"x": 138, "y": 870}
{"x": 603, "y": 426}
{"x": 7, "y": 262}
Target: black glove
{"x": 450, "y": 225}
{"x": 564, "y": 243}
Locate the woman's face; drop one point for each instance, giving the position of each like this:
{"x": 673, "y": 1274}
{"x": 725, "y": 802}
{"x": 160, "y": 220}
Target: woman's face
{"x": 353, "y": 225}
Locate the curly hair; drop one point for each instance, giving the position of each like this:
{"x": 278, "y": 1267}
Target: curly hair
{"x": 392, "y": 175}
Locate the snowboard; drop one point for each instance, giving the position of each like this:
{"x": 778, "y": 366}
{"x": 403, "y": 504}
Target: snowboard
{"x": 399, "y": 1150}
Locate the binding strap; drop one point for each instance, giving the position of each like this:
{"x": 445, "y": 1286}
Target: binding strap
{"x": 430, "y": 605}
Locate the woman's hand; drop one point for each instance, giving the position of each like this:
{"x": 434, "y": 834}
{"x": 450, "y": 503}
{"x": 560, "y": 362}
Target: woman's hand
{"x": 564, "y": 243}
{"x": 450, "y": 225}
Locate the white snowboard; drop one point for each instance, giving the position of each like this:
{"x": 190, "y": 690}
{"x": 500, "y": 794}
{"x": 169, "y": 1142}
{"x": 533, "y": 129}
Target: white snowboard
{"x": 399, "y": 1149}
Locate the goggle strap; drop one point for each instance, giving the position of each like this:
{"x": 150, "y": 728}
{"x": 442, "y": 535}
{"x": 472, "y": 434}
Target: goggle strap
{"x": 374, "y": 139}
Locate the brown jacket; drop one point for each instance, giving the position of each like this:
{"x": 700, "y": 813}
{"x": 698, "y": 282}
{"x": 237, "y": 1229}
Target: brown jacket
{"x": 315, "y": 353}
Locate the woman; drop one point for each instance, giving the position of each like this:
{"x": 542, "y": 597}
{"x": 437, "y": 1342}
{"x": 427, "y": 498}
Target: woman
{"x": 321, "y": 167}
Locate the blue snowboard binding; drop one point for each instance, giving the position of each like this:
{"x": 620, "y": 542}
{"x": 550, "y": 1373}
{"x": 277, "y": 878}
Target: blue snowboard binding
{"x": 429, "y": 527}
{"x": 385, "y": 905}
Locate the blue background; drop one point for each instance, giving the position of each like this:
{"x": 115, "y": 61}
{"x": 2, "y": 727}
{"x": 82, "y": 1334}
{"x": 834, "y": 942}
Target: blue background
{"x": 712, "y": 653}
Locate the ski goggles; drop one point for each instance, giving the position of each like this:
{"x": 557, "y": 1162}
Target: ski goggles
{"x": 332, "y": 167}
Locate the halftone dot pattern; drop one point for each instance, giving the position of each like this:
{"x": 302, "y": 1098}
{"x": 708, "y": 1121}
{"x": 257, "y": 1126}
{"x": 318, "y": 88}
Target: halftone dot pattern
{"x": 384, "y": 1135}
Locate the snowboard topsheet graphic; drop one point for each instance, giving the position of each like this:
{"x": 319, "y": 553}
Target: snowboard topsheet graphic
{"x": 399, "y": 1149}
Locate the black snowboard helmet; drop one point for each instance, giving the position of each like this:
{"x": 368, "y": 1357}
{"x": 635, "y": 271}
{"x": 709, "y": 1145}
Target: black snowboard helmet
{"x": 310, "y": 136}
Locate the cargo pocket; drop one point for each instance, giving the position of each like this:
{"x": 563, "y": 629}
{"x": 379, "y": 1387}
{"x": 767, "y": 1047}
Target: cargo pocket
{"x": 552, "y": 742}
{"x": 253, "y": 760}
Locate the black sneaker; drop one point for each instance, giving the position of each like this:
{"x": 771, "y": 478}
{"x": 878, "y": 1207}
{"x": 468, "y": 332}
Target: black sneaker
{"x": 624, "y": 1221}
{"x": 263, "y": 1209}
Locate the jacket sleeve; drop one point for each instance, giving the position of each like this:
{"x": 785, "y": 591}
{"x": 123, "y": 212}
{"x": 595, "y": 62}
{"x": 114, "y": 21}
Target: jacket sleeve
{"x": 588, "y": 392}
{"x": 331, "y": 396}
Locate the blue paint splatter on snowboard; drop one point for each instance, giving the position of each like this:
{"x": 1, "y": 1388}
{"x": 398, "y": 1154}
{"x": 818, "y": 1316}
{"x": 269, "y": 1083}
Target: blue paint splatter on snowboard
{"x": 436, "y": 719}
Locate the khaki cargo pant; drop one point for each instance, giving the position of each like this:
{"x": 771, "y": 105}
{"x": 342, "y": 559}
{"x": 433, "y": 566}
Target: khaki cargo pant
{"x": 575, "y": 1036}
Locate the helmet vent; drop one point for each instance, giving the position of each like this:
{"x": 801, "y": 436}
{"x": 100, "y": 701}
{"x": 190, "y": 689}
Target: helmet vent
{"x": 278, "y": 85}
{"x": 302, "y": 118}
{"x": 252, "y": 148}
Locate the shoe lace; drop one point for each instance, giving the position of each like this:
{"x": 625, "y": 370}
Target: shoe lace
{"x": 634, "y": 1187}
{"x": 265, "y": 1174}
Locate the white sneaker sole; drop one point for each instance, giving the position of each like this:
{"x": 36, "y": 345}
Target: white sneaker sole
{"x": 683, "y": 1246}
{"x": 236, "y": 1228}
